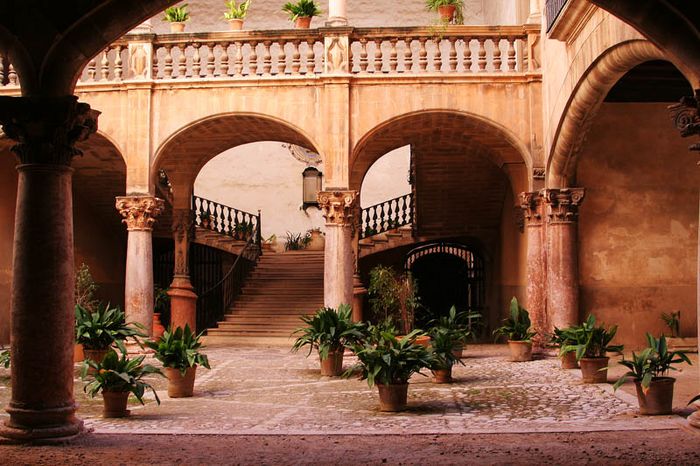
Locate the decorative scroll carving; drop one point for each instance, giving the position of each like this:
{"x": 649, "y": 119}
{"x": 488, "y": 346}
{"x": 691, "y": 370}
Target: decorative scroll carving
{"x": 338, "y": 207}
{"x": 138, "y": 61}
{"x": 686, "y": 117}
{"x": 562, "y": 204}
{"x": 531, "y": 206}
{"x": 47, "y": 129}
{"x": 139, "y": 212}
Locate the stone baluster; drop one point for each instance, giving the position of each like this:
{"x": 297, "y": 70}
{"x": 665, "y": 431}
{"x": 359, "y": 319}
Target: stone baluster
{"x": 296, "y": 57}
{"x": 423, "y": 55}
{"x": 378, "y": 63}
{"x": 12, "y": 78}
{"x": 118, "y": 65}
{"x": 407, "y": 55}
{"x": 437, "y": 58}
{"x": 238, "y": 59}
{"x": 497, "y": 62}
{"x": 253, "y": 58}
{"x": 282, "y": 58}
{"x": 511, "y": 54}
{"x": 91, "y": 71}
{"x": 452, "y": 58}
{"x": 211, "y": 60}
{"x": 393, "y": 55}
{"x": 225, "y": 64}
{"x": 104, "y": 66}
{"x": 182, "y": 61}
{"x": 196, "y": 61}
{"x": 482, "y": 54}
{"x": 168, "y": 62}
{"x": 267, "y": 58}
{"x": 310, "y": 56}
{"x": 2, "y": 70}
{"x": 467, "y": 55}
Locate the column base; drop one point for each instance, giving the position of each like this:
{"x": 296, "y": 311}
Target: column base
{"x": 45, "y": 426}
{"x": 183, "y": 304}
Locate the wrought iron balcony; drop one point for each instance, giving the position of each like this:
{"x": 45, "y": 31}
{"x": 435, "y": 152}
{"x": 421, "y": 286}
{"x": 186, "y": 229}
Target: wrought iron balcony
{"x": 552, "y": 10}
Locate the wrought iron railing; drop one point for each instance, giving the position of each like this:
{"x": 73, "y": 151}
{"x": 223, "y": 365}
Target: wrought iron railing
{"x": 237, "y": 224}
{"x": 387, "y": 215}
{"x": 552, "y": 10}
{"x": 213, "y": 303}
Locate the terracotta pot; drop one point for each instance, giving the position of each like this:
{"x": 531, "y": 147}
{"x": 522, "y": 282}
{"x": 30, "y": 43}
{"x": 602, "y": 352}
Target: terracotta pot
{"x": 590, "y": 369}
{"x": 568, "y": 361}
{"x": 158, "y": 328}
{"x": 96, "y": 355}
{"x": 235, "y": 24}
{"x": 393, "y": 397}
{"x": 303, "y": 22}
{"x": 446, "y": 12}
{"x": 318, "y": 241}
{"x": 520, "y": 351}
{"x": 442, "y": 375}
{"x": 458, "y": 351}
{"x": 180, "y": 386}
{"x": 115, "y": 404}
{"x": 658, "y": 399}
{"x": 78, "y": 353}
{"x": 333, "y": 365}
{"x": 177, "y": 27}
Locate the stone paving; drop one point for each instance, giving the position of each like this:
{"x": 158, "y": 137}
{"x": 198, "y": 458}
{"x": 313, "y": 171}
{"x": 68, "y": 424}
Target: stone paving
{"x": 254, "y": 390}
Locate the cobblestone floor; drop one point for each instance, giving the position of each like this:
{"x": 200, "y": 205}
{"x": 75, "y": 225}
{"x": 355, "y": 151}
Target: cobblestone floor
{"x": 270, "y": 391}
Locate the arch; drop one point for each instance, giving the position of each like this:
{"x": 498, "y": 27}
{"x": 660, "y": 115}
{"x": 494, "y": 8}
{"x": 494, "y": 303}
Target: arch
{"x": 440, "y": 126}
{"x": 584, "y": 103}
{"x": 455, "y": 249}
{"x": 183, "y": 154}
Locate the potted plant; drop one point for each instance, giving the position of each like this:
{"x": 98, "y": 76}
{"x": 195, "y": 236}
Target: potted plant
{"x": 517, "y": 329}
{"x": 442, "y": 343}
{"x": 296, "y": 241}
{"x": 591, "y": 345}
{"x": 301, "y": 12}
{"x": 97, "y": 331}
{"x": 389, "y": 362}
{"x": 317, "y": 242}
{"x": 562, "y": 339}
{"x": 178, "y": 350}
{"x": 116, "y": 377}
{"x": 177, "y": 16}
{"x": 393, "y": 296}
{"x": 449, "y": 10}
{"x": 675, "y": 340}
{"x": 161, "y": 306}
{"x": 649, "y": 369}
{"x": 5, "y": 358}
{"x": 85, "y": 288}
{"x": 329, "y": 331}
{"x": 205, "y": 219}
{"x": 459, "y": 325}
{"x": 236, "y": 13}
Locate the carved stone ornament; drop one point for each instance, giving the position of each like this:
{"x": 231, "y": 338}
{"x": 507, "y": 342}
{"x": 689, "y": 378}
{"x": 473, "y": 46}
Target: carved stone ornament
{"x": 538, "y": 173}
{"x": 47, "y": 129}
{"x": 531, "y": 206}
{"x": 338, "y": 206}
{"x": 139, "y": 212}
{"x": 686, "y": 117}
{"x": 303, "y": 155}
{"x": 562, "y": 204}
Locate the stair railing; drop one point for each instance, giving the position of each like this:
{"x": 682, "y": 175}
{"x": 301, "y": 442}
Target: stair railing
{"x": 225, "y": 220}
{"x": 213, "y": 304}
{"x": 387, "y": 215}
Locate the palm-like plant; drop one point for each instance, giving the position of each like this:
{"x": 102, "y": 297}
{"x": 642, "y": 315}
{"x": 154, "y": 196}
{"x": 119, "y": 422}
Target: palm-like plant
{"x": 443, "y": 342}
{"x": 651, "y": 363}
{"x": 105, "y": 326}
{"x": 236, "y": 10}
{"x": 119, "y": 374}
{"x": 5, "y": 358}
{"x": 673, "y": 322}
{"x": 301, "y": 9}
{"x": 459, "y": 324}
{"x": 592, "y": 341}
{"x": 177, "y": 14}
{"x": 328, "y": 331}
{"x": 517, "y": 326}
{"x": 179, "y": 349}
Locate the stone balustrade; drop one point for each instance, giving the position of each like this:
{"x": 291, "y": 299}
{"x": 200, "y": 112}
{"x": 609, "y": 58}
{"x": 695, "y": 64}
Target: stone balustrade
{"x": 289, "y": 54}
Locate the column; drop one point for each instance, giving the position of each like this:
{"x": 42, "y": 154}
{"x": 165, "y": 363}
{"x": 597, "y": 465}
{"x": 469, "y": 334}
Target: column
{"x": 42, "y": 406}
{"x": 562, "y": 255}
{"x": 139, "y": 212}
{"x": 339, "y": 263}
{"x": 532, "y": 205}
{"x": 337, "y": 13}
{"x": 535, "y": 16}
{"x": 183, "y": 300}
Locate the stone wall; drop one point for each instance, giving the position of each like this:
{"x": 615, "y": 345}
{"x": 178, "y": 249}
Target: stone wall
{"x": 639, "y": 222}
{"x": 8, "y": 196}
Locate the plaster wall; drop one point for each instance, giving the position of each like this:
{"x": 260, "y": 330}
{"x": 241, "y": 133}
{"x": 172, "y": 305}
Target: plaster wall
{"x": 638, "y": 223}
{"x": 387, "y": 178}
{"x": 8, "y": 199}
{"x": 513, "y": 257}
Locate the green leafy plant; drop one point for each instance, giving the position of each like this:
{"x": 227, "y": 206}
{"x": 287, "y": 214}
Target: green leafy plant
{"x": 369, "y": 231}
{"x": 176, "y": 14}
{"x": 385, "y": 359}
{"x": 119, "y": 374}
{"x": 673, "y": 322}
{"x": 161, "y": 300}
{"x": 460, "y": 325}
{"x": 179, "y": 349}
{"x": 433, "y": 5}
{"x": 5, "y": 358}
{"x": 517, "y": 326}
{"x": 301, "y": 9}
{"x": 328, "y": 330}
{"x": 442, "y": 342}
{"x": 297, "y": 241}
{"x": 105, "y": 326}
{"x": 562, "y": 338}
{"x": 592, "y": 341}
{"x": 236, "y": 10}
{"x": 651, "y": 363}
{"x": 85, "y": 288}
{"x": 393, "y": 296}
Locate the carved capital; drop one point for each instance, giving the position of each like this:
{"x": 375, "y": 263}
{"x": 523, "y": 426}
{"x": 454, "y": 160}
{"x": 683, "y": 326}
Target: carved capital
{"x": 338, "y": 206}
{"x": 562, "y": 204}
{"x": 531, "y": 205}
{"x": 139, "y": 212}
{"x": 686, "y": 117}
{"x": 47, "y": 129}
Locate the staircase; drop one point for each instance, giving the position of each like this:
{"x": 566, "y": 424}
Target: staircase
{"x": 282, "y": 288}
{"x": 391, "y": 239}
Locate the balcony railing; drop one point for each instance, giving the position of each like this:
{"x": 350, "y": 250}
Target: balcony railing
{"x": 387, "y": 215}
{"x": 289, "y": 54}
{"x": 552, "y": 9}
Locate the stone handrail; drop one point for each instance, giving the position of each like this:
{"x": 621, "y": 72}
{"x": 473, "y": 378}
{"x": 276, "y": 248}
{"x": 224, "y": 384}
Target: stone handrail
{"x": 286, "y": 54}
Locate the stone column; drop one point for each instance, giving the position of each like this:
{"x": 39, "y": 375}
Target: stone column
{"x": 337, "y": 13}
{"x": 183, "y": 300}
{"x": 339, "y": 263}
{"x": 42, "y": 407}
{"x": 562, "y": 255}
{"x": 139, "y": 212}
{"x": 535, "y": 16}
{"x": 532, "y": 205}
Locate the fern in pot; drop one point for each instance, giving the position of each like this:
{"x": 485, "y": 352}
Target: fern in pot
{"x": 329, "y": 331}
{"x": 517, "y": 329}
